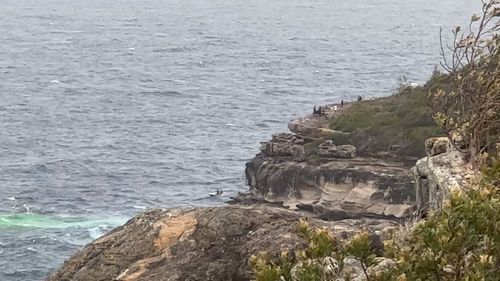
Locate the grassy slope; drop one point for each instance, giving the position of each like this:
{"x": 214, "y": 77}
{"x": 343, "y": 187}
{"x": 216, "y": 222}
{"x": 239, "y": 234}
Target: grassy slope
{"x": 401, "y": 121}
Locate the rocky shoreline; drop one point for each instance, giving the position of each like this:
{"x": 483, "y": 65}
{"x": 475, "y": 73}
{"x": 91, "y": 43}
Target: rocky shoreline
{"x": 306, "y": 169}
{"x": 195, "y": 244}
{"x": 309, "y": 172}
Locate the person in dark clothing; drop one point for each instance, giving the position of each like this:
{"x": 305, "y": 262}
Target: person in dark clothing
{"x": 341, "y": 103}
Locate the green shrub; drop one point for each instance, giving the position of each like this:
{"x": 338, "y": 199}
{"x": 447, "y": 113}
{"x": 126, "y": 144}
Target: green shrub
{"x": 266, "y": 270}
{"x": 462, "y": 242}
{"x": 321, "y": 242}
{"x": 360, "y": 248}
{"x": 321, "y": 260}
{"x": 402, "y": 121}
{"x": 338, "y": 138}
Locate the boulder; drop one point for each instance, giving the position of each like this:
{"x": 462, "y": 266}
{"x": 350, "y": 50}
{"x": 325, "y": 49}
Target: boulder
{"x": 310, "y": 126}
{"x": 437, "y": 176}
{"x": 381, "y": 265}
{"x": 284, "y": 144}
{"x": 458, "y": 139}
{"x": 346, "y": 151}
{"x": 436, "y": 146}
{"x": 329, "y": 150}
{"x": 353, "y": 269}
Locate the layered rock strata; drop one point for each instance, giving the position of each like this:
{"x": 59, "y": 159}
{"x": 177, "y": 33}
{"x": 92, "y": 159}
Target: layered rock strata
{"x": 313, "y": 167}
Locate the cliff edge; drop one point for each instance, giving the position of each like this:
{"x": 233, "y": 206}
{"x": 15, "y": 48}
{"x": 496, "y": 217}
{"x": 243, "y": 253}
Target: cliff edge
{"x": 315, "y": 171}
{"x": 316, "y": 168}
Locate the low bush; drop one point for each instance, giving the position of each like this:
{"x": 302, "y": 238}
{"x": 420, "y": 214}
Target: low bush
{"x": 400, "y": 122}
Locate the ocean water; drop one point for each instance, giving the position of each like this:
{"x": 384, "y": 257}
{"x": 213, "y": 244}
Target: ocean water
{"x": 108, "y": 108}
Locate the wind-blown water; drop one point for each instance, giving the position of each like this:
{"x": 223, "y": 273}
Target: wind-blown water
{"x": 108, "y": 108}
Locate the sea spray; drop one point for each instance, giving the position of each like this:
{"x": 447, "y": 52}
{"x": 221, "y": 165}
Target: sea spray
{"x": 33, "y": 220}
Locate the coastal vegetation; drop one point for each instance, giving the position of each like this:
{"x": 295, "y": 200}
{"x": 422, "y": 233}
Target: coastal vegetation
{"x": 469, "y": 112}
{"x": 355, "y": 206}
{"x": 463, "y": 102}
{"x": 460, "y": 242}
{"x": 400, "y": 122}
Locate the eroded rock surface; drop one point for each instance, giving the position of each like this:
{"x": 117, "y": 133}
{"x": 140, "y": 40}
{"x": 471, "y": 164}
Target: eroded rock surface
{"x": 195, "y": 244}
{"x": 442, "y": 172}
{"x": 329, "y": 150}
{"x": 285, "y": 144}
{"x": 356, "y": 186}
{"x": 313, "y": 168}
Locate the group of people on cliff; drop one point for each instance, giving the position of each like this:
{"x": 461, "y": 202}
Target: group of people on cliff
{"x": 320, "y": 110}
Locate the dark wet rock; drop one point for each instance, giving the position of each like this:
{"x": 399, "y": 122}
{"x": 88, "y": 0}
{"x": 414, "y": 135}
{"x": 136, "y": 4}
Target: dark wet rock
{"x": 197, "y": 244}
{"x": 421, "y": 177}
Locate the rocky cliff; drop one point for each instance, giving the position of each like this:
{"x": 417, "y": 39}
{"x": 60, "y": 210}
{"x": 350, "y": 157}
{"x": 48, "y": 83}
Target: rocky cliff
{"x": 311, "y": 172}
{"x": 314, "y": 167}
{"x": 196, "y": 244}
{"x": 442, "y": 172}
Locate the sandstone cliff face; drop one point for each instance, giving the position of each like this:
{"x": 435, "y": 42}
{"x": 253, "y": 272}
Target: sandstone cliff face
{"x": 362, "y": 185}
{"x": 195, "y": 244}
{"x": 442, "y": 172}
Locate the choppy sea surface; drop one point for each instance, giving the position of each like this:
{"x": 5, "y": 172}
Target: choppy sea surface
{"x": 108, "y": 108}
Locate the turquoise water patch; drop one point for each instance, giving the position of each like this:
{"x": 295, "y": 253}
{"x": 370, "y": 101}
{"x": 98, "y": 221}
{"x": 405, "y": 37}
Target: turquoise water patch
{"x": 32, "y": 220}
